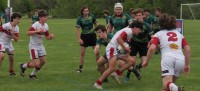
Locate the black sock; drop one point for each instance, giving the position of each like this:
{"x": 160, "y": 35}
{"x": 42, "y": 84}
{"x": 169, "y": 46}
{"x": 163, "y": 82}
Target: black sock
{"x": 140, "y": 65}
{"x": 128, "y": 73}
{"x": 80, "y": 66}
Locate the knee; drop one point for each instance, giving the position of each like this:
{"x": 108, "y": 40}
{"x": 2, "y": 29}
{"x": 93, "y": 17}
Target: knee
{"x": 82, "y": 54}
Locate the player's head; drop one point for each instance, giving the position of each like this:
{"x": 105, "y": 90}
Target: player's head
{"x": 118, "y": 8}
{"x": 85, "y": 10}
{"x": 106, "y": 13}
{"x": 146, "y": 13}
{"x": 136, "y": 27}
{"x": 138, "y": 14}
{"x": 42, "y": 15}
{"x": 157, "y": 11}
{"x": 167, "y": 21}
{"x": 101, "y": 31}
{"x": 16, "y": 18}
{"x": 36, "y": 11}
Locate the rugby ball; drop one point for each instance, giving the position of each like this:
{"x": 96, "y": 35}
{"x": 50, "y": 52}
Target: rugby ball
{"x": 121, "y": 50}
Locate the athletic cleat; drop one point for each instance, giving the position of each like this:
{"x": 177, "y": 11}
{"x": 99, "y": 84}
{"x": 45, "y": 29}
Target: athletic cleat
{"x": 181, "y": 88}
{"x": 97, "y": 86}
{"x": 126, "y": 79}
{"x": 79, "y": 70}
{"x": 137, "y": 72}
{"x": 33, "y": 77}
{"x": 12, "y": 74}
{"x": 22, "y": 70}
{"x": 115, "y": 77}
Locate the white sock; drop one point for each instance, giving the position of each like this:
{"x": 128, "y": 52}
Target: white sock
{"x": 173, "y": 87}
{"x": 25, "y": 65}
{"x": 34, "y": 71}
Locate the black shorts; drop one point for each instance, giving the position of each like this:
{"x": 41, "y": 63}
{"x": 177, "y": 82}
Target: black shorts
{"x": 89, "y": 39}
{"x": 104, "y": 55}
{"x": 138, "y": 47}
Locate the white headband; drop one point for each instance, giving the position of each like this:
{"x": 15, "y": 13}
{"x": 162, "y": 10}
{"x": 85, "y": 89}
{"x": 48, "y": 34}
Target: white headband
{"x": 118, "y": 5}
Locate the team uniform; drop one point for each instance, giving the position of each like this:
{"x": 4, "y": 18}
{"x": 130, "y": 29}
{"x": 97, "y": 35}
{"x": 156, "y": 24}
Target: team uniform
{"x": 111, "y": 49}
{"x": 105, "y": 42}
{"x": 36, "y": 47}
{"x": 108, "y": 19}
{"x": 120, "y": 22}
{"x": 87, "y": 35}
{"x": 6, "y": 38}
{"x": 171, "y": 44}
{"x": 150, "y": 19}
{"x": 34, "y": 19}
{"x": 139, "y": 42}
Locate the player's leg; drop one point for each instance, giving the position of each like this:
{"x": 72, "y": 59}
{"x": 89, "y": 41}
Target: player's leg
{"x": 102, "y": 65}
{"x": 2, "y": 56}
{"x": 82, "y": 55}
{"x": 112, "y": 63}
{"x": 96, "y": 54}
{"x": 167, "y": 66}
{"x": 10, "y": 51}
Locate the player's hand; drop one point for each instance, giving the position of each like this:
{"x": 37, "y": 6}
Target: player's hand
{"x": 96, "y": 50}
{"x": 12, "y": 30}
{"x": 40, "y": 30}
{"x": 80, "y": 41}
{"x": 51, "y": 36}
{"x": 144, "y": 64}
{"x": 186, "y": 69}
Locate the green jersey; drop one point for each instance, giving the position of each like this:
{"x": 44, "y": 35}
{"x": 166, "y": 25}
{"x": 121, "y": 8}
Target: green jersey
{"x": 156, "y": 25}
{"x": 150, "y": 19}
{"x": 108, "y": 19}
{"x": 120, "y": 22}
{"x": 143, "y": 36}
{"x": 86, "y": 24}
{"x": 34, "y": 18}
{"x": 105, "y": 42}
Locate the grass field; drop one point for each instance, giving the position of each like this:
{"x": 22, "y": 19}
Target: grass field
{"x": 59, "y": 72}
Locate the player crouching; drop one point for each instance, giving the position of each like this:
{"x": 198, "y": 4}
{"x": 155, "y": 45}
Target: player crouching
{"x": 111, "y": 51}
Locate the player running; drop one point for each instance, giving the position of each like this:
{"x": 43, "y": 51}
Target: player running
{"x": 37, "y": 51}
{"x": 173, "y": 61}
{"x": 111, "y": 52}
{"x": 8, "y": 32}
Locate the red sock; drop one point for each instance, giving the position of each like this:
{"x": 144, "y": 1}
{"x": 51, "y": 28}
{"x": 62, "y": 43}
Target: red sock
{"x": 168, "y": 85}
{"x": 98, "y": 82}
{"x": 119, "y": 73}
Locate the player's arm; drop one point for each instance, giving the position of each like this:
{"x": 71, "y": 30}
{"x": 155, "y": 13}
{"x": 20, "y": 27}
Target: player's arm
{"x": 97, "y": 49}
{"x": 120, "y": 40}
{"x": 186, "y": 47}
{"x": 14, "y": 35}
{"x": 109, "y": 28}
{"x": 78, "y": 36}
{"x": 33, "y": 31}
{"x": 48, "y": 35}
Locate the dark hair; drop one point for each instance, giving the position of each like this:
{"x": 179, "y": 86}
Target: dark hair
{"x": 167, "y": 21}
{"x": 131, "y": 10}
{"x": 42, "y": 13}
{"x": 139, "y": 10}
{"x": 15, "y": 15}
{"x": 106, "y": 12}
{"x": 136, "y": 24}
{"x": 146, "y": 10}
{"x": 84, "y": 7}
{"x": 102, "y": 27}
{"x": 36, "y": 10}
{"x": 158, "y": 9}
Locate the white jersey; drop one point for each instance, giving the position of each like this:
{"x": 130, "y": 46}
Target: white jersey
{"x": 126, "y": 35}
{"x": 171, "y": 43}
{"x": 37, "y": 39}
{"x": 5, "y": 35}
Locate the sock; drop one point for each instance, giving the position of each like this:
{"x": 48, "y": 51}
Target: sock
{"x": 98, "y": 82}
{"x": 140, "y": 65}
{"x": 11, "y": 71}
{"x": 128, "y": 73}
{"x": 25, "y": 65}
{"x": 35, "y": 70}
{"x": 119, "y": 73}
{"x": 172, "y": 87}
{"x": 80, "y": 66}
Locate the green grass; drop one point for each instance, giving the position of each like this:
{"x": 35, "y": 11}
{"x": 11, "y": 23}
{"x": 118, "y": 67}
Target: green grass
{"x": 59, "y": 72}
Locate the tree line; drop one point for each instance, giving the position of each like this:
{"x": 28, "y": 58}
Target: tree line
{"x": 71, "y": 8}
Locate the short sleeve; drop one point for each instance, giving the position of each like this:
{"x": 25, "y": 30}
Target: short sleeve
{"x": 78, "y": 22}
{"x": 94, "y": 21}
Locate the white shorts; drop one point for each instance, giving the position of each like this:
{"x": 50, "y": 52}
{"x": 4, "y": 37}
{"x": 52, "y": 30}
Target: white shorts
{"x": 110, "y": 52}
{"x": 37, "y": 52}
{"x": 6, "y": 48}
{"x": 172, "y": 66}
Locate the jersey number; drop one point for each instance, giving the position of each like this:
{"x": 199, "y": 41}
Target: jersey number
{"x": 172, "y": 36}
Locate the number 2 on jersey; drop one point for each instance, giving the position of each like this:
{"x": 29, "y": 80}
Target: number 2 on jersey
{"x": 172, "y": 36}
